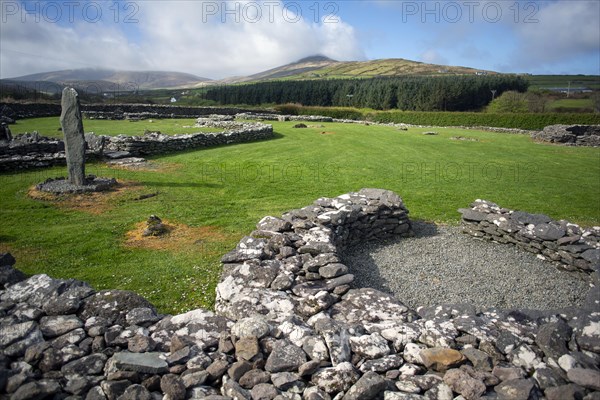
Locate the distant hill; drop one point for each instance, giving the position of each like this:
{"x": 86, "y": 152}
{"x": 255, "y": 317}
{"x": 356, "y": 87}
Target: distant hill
{"x": 321, "y": 67}
{"x": 94, "y": 80}
{"x": 106, "y": 78}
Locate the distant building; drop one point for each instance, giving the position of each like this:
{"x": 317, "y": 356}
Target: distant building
{"x": 481, "y": 73}
{"x": 173, "y": 100}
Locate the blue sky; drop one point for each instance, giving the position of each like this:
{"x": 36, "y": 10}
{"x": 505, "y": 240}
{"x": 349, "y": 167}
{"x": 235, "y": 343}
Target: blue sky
{"x": 218, "y": 39}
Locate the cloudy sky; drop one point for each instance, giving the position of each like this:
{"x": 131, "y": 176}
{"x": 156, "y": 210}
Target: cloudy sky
{"x": 217, "y": 39}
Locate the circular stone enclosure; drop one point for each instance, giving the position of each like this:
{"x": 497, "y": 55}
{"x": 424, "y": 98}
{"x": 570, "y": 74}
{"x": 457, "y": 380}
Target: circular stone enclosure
{"x": 442, "y": 265}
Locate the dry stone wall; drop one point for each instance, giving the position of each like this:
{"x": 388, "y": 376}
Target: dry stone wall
{"x": 560, "y": 241}
{"x": 571, "y": 135}
{"x": 34, "y": 151}
{"x": 157, "y": 143}
{"x": 16, "y": 111}
{"x": 289, "y": 326}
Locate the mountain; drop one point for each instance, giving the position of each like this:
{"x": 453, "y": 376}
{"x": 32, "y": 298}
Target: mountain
{"x": 321, "y": 67}
{"x": 309, "y": 68}
{"x": 124, "y": 80}
{"x": 293, "y": 70}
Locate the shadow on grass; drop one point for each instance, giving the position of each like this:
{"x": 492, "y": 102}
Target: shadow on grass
{"x": 7, "y": 239}
{"x": 184, "y": 184}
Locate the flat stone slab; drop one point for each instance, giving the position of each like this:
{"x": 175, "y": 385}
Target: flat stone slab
{"x": 126, "y": 161}
{"x": 115, "y": 155}
{"x": 145, "y": 363}
{"x": 62, "y": 185}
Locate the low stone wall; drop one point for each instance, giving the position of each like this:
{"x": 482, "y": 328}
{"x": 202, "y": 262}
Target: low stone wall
{"x": 115, "y": 111}
{"x": 156, "y": 143}
{"x": 35, "y": 151}
{"x": 288, "y": 326}
{"x": 571, "y": 135}
{"x": 560, "y": 241}
{"x": 291, "y": 265}
{"x": 28, "y": 143}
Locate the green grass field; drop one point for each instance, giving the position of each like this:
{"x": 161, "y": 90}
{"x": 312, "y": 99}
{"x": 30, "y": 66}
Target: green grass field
{"x": 571, "y": 103}
{"x": 220, "y": 193}
{"x": 50, "y": 127}
{"x": 553, "y": 81}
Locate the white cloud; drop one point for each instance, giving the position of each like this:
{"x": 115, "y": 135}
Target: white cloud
{"x": 177, "y": 36}
{"x": 565, "y": 29}
{"x": 43, "y": 46}
{"x": 432, "y": 56}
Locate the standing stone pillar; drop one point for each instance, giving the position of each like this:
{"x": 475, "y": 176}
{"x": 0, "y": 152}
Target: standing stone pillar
{"x": 72, "y": 127}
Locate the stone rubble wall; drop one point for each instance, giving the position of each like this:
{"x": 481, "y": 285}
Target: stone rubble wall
{"x": 36, "y": 152}
{"x": 570, "y": 245}
{"x": 157, "y": 143}
{"x": 115, "y": 111}
{"x": 276, "y": 335}
{"x": 320, "y": 118}
{"x": 570, "y": 135}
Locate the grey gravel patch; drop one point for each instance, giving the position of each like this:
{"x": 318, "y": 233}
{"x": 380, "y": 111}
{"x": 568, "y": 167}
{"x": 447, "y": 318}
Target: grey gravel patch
{"x": 441, "y": 265}
{"x": 62, "y": 185}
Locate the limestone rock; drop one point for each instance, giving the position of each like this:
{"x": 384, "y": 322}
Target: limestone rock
{"x": 136, "y": 392}
{"x": 337, "y": 339}
{"x": 367, "y": 387}
{"x": 72, "y": 127}
{"x": 231, "y": 389}
{"x": 588, "y": 378}
{"x": 461, "y": 382}
{"x": 565, "y": 392}
{"x": 368, "y": 305}
{"x": 173, "y": 386}
{"x": 388, "y": 395}
{"x": 516, "y": 389}
{"x": 147, "y": 363}
{"x": 285, "y": 356}
{"x": 112, "y": 305}
{"x": 246, "y": 348}
{"x": 36, "y": 390}
{"x": 142, "y": 316}
{"x": 154, "y": 227}
{"x": 383, "y": 364}
{"x": 479, "y": 359}
{"x": 370, "y": 346}
{"x": 254, "y": 377}
{"x": 253, "y": 326}
{"x": 441, "y": 359}
{"x": 264, "y": 391}
{"x": 58, "y": 325}
{"x": 336, "y": 379}
{"x": 288, "y": 382}
{"x": 88, "y": 365}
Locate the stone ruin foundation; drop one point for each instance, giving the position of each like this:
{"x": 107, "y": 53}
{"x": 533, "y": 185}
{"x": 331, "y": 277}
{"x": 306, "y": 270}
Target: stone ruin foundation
{"x": 288, "y": 325}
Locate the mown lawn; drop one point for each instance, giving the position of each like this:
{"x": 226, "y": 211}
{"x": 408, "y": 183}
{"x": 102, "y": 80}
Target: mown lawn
{"x": 220, "y": 193}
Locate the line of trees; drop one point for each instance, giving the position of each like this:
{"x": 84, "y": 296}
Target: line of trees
{"x": 411, "y": 93}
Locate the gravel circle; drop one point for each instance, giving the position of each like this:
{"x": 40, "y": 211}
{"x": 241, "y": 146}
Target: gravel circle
{"x": 442, "y": 265}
